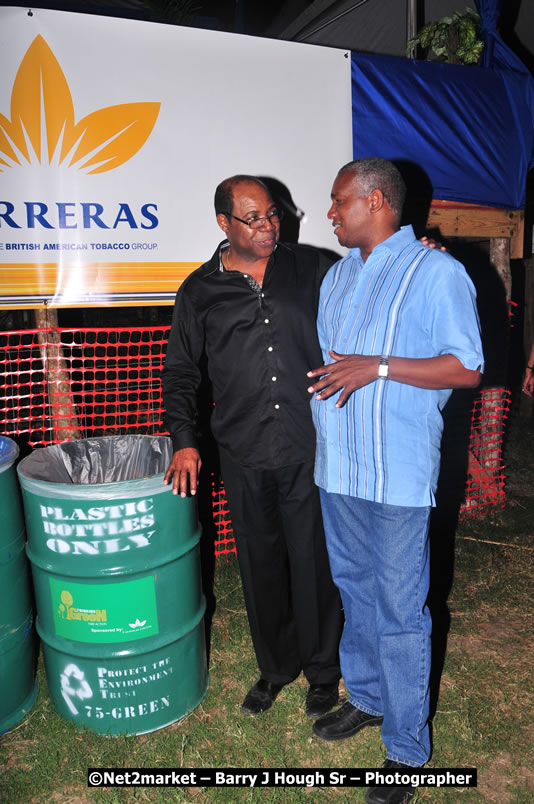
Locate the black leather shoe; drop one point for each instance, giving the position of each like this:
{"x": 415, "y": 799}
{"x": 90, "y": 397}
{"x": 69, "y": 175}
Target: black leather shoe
{"x": 392, "y": 795}
{"x": 260, "y": 697}
{"x": 344, "y": 722}
{"x": 321, "y": 698}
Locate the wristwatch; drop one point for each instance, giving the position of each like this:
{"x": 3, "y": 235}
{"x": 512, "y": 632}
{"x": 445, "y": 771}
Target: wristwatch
{"x": 383, "y": 368}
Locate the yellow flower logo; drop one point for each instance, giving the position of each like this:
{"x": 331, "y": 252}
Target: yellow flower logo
{"x": 42, "y": 126}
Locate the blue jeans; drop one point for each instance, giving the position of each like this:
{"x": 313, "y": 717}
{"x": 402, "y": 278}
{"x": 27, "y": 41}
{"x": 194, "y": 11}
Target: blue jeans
{"x": 379, "y": 559}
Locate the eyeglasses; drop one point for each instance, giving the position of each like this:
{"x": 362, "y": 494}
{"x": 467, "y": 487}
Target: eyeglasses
{"x": 256, "y": 223}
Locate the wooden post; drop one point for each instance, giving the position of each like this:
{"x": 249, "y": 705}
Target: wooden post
{"x": 500, "y": 258}
{"x": 65, "y": 421}
{"x": 485, "y": 454}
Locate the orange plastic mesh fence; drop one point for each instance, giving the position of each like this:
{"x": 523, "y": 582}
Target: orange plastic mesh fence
{"x": 59, "y": 384}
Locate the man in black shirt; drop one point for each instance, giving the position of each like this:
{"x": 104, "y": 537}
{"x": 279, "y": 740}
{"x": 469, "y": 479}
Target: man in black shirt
{"x": 249, "y": 316}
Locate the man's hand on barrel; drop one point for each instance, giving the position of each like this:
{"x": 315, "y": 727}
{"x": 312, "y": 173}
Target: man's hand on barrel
{"x": 184, "y": 469}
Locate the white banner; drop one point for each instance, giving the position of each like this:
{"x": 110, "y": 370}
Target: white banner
{"x": 114, "y": 134}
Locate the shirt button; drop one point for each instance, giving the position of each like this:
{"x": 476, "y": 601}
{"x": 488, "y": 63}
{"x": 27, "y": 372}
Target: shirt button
{"x": 276, "y": 407}
{"x": 263, "y": 295}
{"x": 266, "y": 320}
{"x": 273, "y": 379}
{"x": 269, "y": 348}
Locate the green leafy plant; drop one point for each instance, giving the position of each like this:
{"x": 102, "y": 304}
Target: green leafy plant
{"x": 455, "y": 39}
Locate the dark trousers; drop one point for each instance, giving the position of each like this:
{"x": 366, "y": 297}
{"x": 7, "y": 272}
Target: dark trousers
{"x": 293, "y": 607}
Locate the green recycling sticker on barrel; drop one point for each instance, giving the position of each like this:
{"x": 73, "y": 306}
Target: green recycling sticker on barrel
{"x": 104, "y": 612}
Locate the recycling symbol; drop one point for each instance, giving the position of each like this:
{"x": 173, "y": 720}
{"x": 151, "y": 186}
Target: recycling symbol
{"x": 74, "y": 685}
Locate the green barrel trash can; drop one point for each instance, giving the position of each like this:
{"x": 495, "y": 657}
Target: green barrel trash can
{"x": 116, "y": 569}
{"x": 18, "y": 642}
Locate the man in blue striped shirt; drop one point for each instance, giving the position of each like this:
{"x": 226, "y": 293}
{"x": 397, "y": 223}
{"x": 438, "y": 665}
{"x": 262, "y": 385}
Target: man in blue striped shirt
{"x": 398, "y": 328}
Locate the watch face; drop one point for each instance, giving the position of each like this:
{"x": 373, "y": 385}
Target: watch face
{"x": 383, "y": 368}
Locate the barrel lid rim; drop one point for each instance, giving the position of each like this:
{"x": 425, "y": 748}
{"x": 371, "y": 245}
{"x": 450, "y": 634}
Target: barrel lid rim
{"x": 9, "y": 452}
{"x": 25, "y": 477}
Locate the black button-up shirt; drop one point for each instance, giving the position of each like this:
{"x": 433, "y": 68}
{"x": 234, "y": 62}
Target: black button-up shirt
{"x": 257, "y": 344}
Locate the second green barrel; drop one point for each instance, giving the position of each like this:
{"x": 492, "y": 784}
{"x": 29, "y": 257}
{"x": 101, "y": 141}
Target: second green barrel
{"x": 18, "y": 645}
{"x": 116, "y": 572}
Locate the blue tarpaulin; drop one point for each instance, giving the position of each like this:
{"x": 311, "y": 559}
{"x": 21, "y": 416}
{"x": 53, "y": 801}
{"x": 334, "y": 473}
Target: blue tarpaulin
{"x": 496, "y": 53}
{"x": 471, "y": 129}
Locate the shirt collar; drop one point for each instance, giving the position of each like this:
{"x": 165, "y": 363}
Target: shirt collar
{"x": 225, "y": 245}
{"x": 395, "y": 243}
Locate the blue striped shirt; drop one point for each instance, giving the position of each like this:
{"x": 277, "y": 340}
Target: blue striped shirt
{"x": 406, "y": 300}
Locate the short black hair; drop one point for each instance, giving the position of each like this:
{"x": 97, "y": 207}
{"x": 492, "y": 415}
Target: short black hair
{"x": 224, "y": 194}
{"x": 375, "y": 173}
